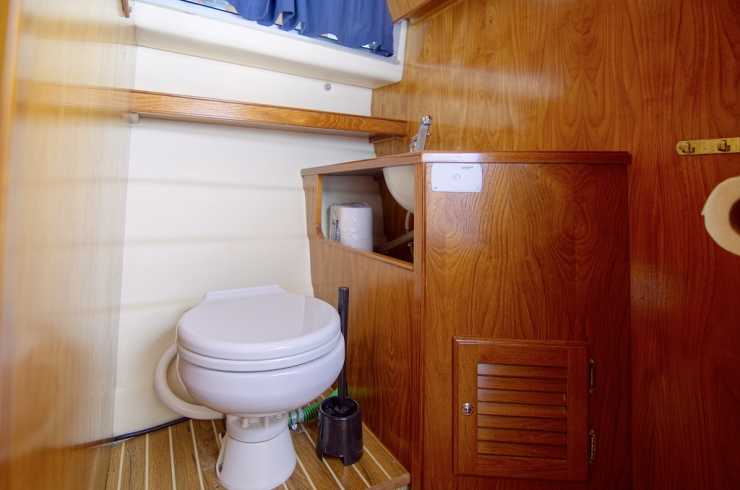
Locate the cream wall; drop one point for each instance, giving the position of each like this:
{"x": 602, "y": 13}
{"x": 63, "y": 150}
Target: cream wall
{"x": 213, "y": 207}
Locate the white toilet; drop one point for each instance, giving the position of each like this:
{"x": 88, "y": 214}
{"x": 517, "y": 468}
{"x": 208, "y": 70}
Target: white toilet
{"x": 253, "y": 355}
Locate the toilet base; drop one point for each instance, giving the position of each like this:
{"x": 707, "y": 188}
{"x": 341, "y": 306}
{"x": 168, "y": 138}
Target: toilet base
{"x": 256, "y": 465}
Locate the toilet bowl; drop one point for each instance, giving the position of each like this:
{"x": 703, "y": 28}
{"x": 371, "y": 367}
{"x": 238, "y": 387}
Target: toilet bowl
{"x": 252, "y": 355}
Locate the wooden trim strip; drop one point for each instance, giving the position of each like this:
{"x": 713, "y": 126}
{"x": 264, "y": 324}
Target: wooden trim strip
{"x": 375, "y": 165}
{"x": 195, "y": 453}
{"x": 172, "y": 458}
{"x": 146, "y": 461}
{"x": 236, "y": 113}
{"x": 359, "y": 166}
{"x": 120, "y": 465}
{"x": 371, "y": 255}
{"x": 550, "y": 157}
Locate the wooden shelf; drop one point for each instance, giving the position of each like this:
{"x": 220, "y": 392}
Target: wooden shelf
{"x": 233, "y": 113}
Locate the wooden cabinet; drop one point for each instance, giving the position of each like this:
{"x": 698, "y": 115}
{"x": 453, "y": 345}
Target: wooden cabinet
{"x": 520, "y": 409}
{"x": 511, "y": 293}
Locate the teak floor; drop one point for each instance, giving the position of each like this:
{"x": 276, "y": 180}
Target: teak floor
{"x": 183, "y": 457}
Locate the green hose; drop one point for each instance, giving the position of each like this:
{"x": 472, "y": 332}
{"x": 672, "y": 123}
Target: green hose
{"x": 307, "y": 413}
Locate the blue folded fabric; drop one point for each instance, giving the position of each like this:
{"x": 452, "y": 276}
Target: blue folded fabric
{"x": 354, "y": 23}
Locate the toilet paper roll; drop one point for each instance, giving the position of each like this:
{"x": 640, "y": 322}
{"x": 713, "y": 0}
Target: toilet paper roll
{"x": 355, "y": 225}
{"x": 722, "y": 215}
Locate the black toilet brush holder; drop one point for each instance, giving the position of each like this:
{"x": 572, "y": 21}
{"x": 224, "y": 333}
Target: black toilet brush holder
{"x": 340, "y": 417}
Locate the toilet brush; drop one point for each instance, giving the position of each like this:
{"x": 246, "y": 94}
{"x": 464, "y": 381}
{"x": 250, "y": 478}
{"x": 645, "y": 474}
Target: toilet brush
{"x": 340, "y": 417}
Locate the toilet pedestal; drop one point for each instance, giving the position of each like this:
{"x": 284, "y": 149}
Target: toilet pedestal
{"x": 257, "y": 453}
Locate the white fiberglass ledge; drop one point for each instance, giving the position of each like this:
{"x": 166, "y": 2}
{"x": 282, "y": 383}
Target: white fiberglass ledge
{"x": 176, "y": 26}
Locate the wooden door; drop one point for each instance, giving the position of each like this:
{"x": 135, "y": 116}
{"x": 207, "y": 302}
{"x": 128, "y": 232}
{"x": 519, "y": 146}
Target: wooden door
{"x": 521, "y": 409}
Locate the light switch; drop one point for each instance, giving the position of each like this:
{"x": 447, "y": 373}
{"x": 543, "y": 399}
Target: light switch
{"x": 457, "y": 177}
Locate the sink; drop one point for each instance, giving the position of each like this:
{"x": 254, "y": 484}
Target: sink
{"x": 401, "y": 183}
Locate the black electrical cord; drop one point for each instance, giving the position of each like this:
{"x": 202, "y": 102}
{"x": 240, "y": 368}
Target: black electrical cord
{"x": 141, "y": 432}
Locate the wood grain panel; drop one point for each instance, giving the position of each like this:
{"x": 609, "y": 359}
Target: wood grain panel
{"x": 526, "y": 423}
{"x": 522, "y": 436}
{"x": 537, "y": 256}
{"x": 203, "y": 110}
{"x": 521, "y": 371}
{"x": 382, "y": 375}
{"x": 616, "y": 74}
{"x": 532, "y": 397}
{"x": 528, "y": 384}
{"x": 522, "y": 450}
{"x": 477, "y": 448}
{"x": 62, "y": 200}
{"x": 521, "y": 410}
{"x": 414, "y": 9}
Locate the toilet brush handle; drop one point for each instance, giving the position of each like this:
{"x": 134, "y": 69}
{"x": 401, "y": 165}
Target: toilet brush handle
{"x": 343, "y": 307}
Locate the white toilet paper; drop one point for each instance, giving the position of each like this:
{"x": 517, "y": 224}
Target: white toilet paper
{"x": 352, "y": 225}
{"x": 722, "y": 215}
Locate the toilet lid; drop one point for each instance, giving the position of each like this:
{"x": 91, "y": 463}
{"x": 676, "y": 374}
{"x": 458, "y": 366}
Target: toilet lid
{"x": 259, "y": 327}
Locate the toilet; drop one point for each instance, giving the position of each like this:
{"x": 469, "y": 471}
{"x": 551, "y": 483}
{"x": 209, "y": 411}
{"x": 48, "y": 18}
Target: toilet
{"x": 252, "y": 355}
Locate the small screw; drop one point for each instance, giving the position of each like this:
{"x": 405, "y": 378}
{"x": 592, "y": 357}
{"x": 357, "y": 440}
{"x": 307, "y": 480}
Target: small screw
{"x": 327, "y": 86}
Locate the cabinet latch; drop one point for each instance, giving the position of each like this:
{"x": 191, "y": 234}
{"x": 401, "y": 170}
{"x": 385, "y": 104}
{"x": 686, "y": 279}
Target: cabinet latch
{"x": 591, "y": 446}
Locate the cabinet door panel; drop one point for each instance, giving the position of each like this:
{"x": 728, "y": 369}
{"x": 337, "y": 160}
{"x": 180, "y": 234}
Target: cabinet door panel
{"x": 537, "y": 426}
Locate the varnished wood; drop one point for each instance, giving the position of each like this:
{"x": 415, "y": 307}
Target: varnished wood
{"x": 629, "y": 75}
{"x": 180, "y": 451}
{"x": 414, "y": 9}
{"x": 60, "y": 270}
{"x": 215, "y": 111}
{"x": 552, "y": 438}
{"x": 550, "y": 425}
{"x": 541, "y": 253}
{"x": 526, "y": 243}
{"x": 479, "y": 447}
{"x": 382, "y": 375}
{"x": 374, "y": 166}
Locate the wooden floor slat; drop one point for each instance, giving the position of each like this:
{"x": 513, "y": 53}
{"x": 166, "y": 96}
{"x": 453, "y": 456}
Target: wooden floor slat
{"x": 134, "y": 462}
{"x": 160, "y": 465}
{"x": 348, "y": 477}
{"x": 207, "y": 451}
{"x": 186, "y": 471}
{"x": 383, "y": 456}
{"x": 195, "y": 445}
{"x": 114, "y": 469}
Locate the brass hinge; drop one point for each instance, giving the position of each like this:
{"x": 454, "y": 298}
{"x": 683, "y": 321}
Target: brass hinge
{"x": 591, "y": 376}
{"x": 591, "y": 446}
{"x": 716, "y": 146}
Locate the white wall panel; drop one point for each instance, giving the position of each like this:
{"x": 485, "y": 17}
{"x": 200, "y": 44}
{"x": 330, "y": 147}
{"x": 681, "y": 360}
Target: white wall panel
{"x": 212, "y": 207}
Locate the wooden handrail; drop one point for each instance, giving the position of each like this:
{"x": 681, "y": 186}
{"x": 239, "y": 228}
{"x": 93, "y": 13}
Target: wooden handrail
{"x": 215, "y": 111}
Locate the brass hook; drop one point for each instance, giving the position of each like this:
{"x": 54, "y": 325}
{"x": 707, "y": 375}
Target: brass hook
{"x": 686, "y": 147}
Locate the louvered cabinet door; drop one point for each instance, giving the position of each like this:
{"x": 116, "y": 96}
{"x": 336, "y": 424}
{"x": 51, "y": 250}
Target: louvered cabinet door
{"x": 521, "y": 409}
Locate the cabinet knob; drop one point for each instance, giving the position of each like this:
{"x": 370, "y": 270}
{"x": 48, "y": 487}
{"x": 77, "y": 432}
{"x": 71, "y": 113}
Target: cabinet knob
{"x": 467, "y": 408}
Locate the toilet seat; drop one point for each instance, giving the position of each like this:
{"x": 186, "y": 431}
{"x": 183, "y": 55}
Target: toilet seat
{"x": 257, "y": 331}
{"x": 258, "y": 365}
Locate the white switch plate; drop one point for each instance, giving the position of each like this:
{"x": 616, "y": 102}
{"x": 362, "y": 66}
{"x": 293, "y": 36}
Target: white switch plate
{"x": 457, "y": 177}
